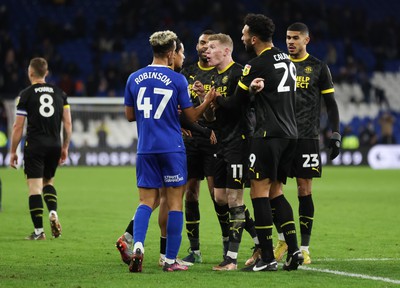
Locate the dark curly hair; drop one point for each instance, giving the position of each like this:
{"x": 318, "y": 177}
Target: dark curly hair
{"x": 260, "y": 26}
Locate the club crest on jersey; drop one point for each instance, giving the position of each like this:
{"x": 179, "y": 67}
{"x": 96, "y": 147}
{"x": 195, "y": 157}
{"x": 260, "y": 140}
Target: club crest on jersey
{"x": 246, "y": 70}
{"x": 225, "y": 80}
{"x": 308, "y": 70}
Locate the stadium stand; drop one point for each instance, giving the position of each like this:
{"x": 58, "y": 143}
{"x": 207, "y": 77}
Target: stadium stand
{"x": 91, "y": 53}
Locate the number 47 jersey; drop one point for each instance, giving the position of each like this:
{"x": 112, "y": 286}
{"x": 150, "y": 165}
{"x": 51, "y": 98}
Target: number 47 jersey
{"x": 156, "y": 92}
{"x": 43, "y": 105}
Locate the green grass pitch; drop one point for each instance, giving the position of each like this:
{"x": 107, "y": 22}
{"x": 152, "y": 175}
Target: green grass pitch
{"x": 355, "y": 243}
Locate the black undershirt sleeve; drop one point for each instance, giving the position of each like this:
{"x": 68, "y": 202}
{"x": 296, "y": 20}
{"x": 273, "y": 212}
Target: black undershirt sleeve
{"x": 235, "y": 101}
{"x": 193, "y": 126}
{"x": 333, "y": 111}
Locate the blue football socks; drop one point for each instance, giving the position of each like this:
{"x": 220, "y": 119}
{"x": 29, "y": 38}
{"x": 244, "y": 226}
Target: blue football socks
{"x": 174, "y": 233}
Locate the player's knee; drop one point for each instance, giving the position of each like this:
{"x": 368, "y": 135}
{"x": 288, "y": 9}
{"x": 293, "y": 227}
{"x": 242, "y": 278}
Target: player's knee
{"x": 303, "y": 191}
{"x": 220, "y": 199}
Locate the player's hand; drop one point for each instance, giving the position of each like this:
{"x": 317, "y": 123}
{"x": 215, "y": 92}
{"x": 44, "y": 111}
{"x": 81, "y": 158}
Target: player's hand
{"x": 64, "y": 156}
{"x": 256, "y": 85}
{"x": 213, "y": 138}
{"x": 198, "y": 88}
{"x": 14, "y": 160}
{"x": 214, "y": 104}
{"x": 186, "y": 132}
{"x": 210, "y": 96}
{"x": 334, "y": 145}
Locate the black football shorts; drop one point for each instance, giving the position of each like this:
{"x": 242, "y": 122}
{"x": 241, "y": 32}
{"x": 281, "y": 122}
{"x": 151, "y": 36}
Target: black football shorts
{"x": 41, "y": 162}
{"x": 200, "y": 155}
{"x": 307, "y": 160}
{"x": 271, "y": 158}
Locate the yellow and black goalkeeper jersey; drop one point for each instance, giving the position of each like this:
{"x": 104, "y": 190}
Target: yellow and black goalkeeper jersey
{"x": 43, "y": 106}
{"x": 313, "y": 80}
{"x": 231, "y": 116}
{"x": 275, "y": 104}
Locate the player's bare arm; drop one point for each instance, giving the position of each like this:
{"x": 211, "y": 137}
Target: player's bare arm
{"x": 18, "y": 128}
{"x": 67, "y": 132}
{"x": 130, "y": 114}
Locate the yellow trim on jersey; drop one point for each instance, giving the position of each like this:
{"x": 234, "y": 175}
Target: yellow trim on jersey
{"x": 244, "y": 87}
{"x": 268, "y": 48}
{"x": 67, "y": 106}
{"x": 204, "y": 68}
{"x": 299, "y": 60}
{"x": 226, "y": 68}
{"x": 330, "y": 90}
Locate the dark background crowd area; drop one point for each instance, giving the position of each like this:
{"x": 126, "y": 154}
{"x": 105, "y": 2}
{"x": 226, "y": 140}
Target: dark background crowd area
{"x": 93, "y": 45}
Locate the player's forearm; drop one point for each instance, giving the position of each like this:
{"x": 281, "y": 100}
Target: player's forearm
{"x": 15, "y": 138}
{"x": 235, "y": 101}
{"x": 67, "y": 132}
{"x": 209, "y": 114}
{"x": 201, "y": 109}
{"x": 333, "y": 112}
{"x": 194, "y": 126}
{"x": 130, "y": 114}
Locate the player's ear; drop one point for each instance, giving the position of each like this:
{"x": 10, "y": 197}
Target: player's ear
{"x": 171, "y": 56}
{"x": 227, "y": 50}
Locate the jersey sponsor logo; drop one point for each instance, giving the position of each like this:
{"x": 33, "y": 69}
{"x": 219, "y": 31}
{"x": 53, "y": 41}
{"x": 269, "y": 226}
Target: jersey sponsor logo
{"x": 302, "y": 82}
{"x": 172, "y": 178}
{"x": 246, "y": 70}
{"x": 308, "y": 70}
{"x": 223, "y": 90}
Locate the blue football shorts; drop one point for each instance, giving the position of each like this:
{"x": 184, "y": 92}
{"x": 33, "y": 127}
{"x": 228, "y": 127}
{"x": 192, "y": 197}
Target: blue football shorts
{"x": 158, "y": 170}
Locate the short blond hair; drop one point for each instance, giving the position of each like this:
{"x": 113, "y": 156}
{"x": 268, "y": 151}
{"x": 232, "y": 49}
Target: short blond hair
{"x": 163, "y": 41}
{"x": 224, "y": 39}
{"x": 39, "y": 66}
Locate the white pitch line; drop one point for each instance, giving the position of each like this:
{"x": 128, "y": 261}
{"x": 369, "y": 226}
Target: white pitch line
{"x": 363, "y": 276}
{"x": 355, "y": 259}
